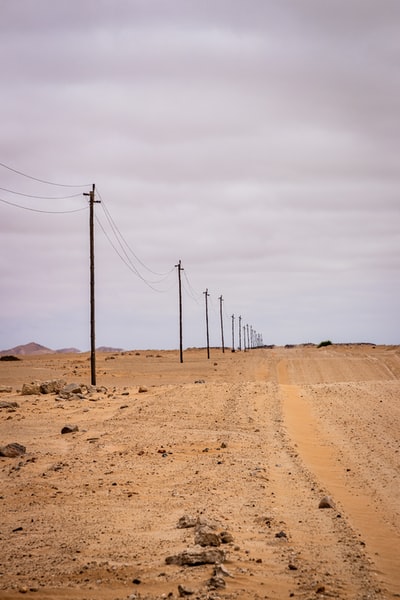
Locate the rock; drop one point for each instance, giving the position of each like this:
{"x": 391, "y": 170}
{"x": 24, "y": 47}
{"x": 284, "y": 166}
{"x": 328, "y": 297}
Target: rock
{"x": 53, "y": 386}
{"x": 226, "y": 537}
{"x": 200, "y": 381}
{"x": 5, "y": 389}
{"x": 184, "y": 591}
{"x": 5, "y": 404}
{"x": 12, "y": 450}
{"x": 326, "y": 502}
{"x": 207, "y": 537}
{"x": 69, "y": 429}
{"x": 222, "y": 571}
{"x": 186, "y": 521}
{"x": 142, "y": 389}
{"x": 216, "y": 583}
{"x": 71, "y": 388}
{"x": 281, "y": 534}
{"x": 29, "y": 389}
{"x": 194, "y": 557}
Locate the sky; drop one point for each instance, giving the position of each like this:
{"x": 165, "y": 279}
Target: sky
{"x": 256, "y": 142}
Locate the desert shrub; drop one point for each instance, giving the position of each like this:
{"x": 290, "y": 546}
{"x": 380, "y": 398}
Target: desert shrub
{"x": 324, "y": 343}
{"x": 9, "y": 357}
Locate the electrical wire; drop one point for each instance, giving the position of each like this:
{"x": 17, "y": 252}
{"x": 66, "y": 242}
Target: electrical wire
{"x": 189, "y": 289}
{"x": 68, "y": 185}
{"x": 47, "y": 212}
{"x": 40, "y": 197}
{"x": 122, "y": 241}
{"x": 128, "y": 262}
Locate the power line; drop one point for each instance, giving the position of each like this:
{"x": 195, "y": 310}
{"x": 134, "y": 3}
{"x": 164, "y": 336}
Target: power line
{"x": 122, "y": 241}
{"x": 128, "y": 262}
{"x": 47, "y": 212}
{"x": 41, "y": 180}
{"x": 41, "y": 197}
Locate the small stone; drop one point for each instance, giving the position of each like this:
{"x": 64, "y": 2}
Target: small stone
{"x": 216, "y": 583}
{"x": 184, "y": 591}
{"x": 12, "y": 450}
{"x": 326, "y": 502}
{"x": 292, "y": 567}
{"x": 226, "y": 537}
{"x": 191, "y": 558}
{"x": 186, "y": 521}
{"x": 142, "y": 389}
{"x": 206, "y": 537}
{"x": 281, "y": 534}
{"x": 5, "y": 389}
{"x": 69, "y": 429}
{"x": 53, "y": 386}
{"x": 6, "y": 404}
{"x": 200, "y": 381}
{"x": 29, "y": 389}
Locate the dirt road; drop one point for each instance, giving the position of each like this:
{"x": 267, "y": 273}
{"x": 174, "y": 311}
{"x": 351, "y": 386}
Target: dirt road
{"x": 247, "y": 442}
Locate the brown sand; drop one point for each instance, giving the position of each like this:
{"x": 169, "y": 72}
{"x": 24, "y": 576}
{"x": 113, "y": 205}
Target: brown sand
{"x": 93, "y": 514}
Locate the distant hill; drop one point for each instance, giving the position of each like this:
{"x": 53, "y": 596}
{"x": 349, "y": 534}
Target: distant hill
{"x": 34, "y": 348}
{"x": 26, "y": 349}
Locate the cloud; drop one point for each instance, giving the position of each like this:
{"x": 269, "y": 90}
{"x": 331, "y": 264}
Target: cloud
{"x": 255, "y": 141}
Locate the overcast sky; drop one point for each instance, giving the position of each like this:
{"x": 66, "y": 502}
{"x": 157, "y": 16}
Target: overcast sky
{"x": 256, "y": 141}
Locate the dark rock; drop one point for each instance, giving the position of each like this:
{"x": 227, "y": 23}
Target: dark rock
{"x": 281, "y": 534}
{"x": 142, "y": 389}
{"x": 184, "y": 591}
{"x": 5, "y": 389}
{"x": 69, "y": 428}
{"x": 326, "y": 502}
{"x": 216, "y": 583}
{"x": 207, "y": 537}
{"x": 6, "y": 404}
{"x": 200, "y": 381}
{"x": 226, "y": 537}
{"x": 191, "y": 558}
{"x": 12, "y": 450}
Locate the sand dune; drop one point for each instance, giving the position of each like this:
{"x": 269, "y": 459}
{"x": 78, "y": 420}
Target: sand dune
{"x": 247, "y": 442}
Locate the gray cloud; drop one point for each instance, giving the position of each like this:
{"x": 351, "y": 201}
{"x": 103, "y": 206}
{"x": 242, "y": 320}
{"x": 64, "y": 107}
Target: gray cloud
{"x": 256, "y": 141}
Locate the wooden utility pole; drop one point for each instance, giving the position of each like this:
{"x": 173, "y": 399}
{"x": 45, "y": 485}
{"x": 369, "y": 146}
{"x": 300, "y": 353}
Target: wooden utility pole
{"x": 244, "y": 338}
{"x": 222, "y": 322}
{"x": 206, "y": 294}
{"x": 179, "y": 266}
{"x": 233, "y": 333}
{"x": 240, "y": 332}
{"x": 92, "y": 201}
{"x": 248, "y": 338}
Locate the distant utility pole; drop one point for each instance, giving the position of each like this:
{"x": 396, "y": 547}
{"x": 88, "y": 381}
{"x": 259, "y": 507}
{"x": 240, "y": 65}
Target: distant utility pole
{"x": 244, "y": 338}
{"x": 206, "y": 294}
{"x": 92, "y": 201}
{"x": 233, "y": 333}
{"x": 240, "y": 332}
{"x": 180, "y": 268}
{"x": 248, "y": 339}
{"x": 222, "y": 322}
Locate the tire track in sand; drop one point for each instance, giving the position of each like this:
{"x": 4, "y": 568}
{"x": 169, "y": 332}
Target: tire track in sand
{"x": 321, "y": 457}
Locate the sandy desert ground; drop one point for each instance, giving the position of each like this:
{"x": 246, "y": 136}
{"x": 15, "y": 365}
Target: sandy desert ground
{"x": 241, "y": 447}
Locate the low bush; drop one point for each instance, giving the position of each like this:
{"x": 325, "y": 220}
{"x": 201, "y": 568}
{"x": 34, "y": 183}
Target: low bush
{"x": 324, "y": 343}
